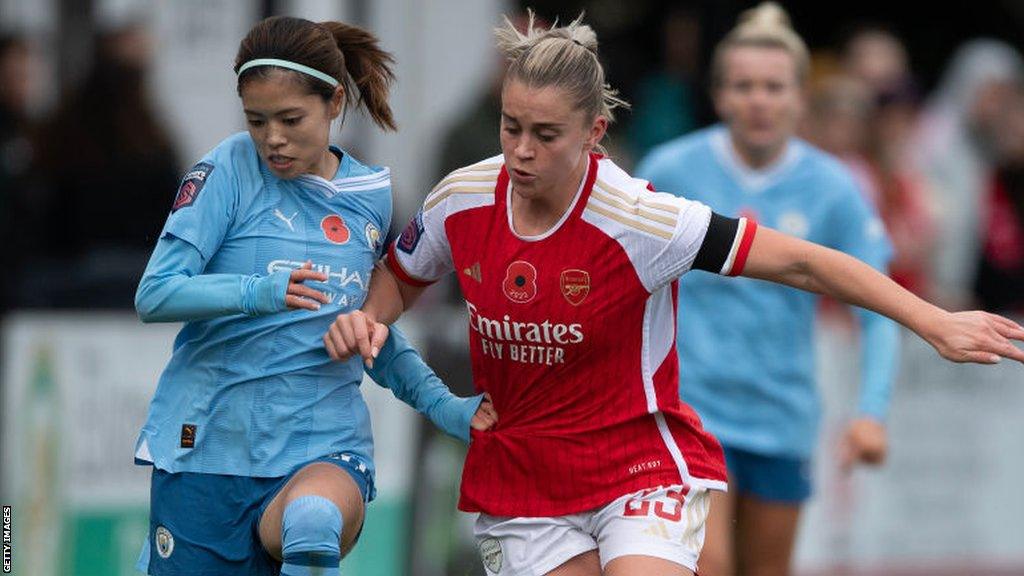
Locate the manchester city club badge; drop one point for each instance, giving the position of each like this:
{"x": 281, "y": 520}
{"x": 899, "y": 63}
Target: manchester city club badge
{"x": 164, "y": 542}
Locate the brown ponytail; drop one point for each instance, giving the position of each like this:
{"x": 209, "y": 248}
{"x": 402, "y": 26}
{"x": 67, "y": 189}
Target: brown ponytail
{"x": 347, "y": 53}
{"x": 369, "y": 67}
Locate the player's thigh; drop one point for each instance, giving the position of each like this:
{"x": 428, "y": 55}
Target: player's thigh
{"x": 660, "y": 529}
{"x": 716, "y": 556}
{"x": 770, "y": 491}
{"x": 636, "y": 565}
{"x": 585, "y": 564}
{"x": 319, "y": 479}
{"x": 767, "y": 535}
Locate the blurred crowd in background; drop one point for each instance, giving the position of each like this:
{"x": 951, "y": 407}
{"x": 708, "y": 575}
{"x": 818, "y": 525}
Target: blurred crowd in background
{"x": 85, "y": 184}
{"x": 943, "y": 164}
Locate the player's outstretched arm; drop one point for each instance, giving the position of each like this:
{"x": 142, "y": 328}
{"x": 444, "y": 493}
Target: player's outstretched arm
{"x": 401, "y": 369}
{"x": 175, "y": 289}
{"x": 974, "y": 336}
{"x": 364, "y": 331}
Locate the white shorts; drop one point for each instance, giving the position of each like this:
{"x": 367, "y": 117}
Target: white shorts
{"x": 658, "y": 522}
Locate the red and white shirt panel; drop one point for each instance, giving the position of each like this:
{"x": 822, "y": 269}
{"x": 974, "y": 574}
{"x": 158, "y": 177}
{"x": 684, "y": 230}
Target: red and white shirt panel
{"x": 661, "y": 233}
{"x": 464, "y": 189}
{"x": 572, "y": 333}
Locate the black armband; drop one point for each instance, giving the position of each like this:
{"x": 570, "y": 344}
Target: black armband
{"x": 725, "y": 246}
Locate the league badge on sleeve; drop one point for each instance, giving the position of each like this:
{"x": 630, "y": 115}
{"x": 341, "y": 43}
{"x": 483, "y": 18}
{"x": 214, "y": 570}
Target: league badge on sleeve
{"x": 411, "y": 235}
{"x": 192, "y": 185}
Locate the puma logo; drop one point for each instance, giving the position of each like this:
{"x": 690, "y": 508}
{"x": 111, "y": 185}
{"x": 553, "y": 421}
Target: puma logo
{"x": 280, "y": 215}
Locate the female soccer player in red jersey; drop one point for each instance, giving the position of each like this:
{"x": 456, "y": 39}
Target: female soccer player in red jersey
{"x": 746, "y": 348}
{"x": 568, "y": 267}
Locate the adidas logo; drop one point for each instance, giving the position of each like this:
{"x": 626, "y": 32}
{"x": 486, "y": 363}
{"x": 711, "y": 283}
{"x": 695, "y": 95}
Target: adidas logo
{"x": 656, "y": 529}
{"x": 474, "y": 272}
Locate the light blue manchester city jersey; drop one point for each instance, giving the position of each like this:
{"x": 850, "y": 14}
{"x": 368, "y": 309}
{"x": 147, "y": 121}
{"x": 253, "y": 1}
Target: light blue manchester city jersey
{"x": 258, "y": 395}
{"x": 746, "y": 346}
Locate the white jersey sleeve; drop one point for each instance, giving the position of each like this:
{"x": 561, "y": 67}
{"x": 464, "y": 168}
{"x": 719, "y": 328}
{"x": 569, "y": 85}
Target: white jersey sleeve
{"x": 422, "y": 254}
{"x": 664, "y": 235}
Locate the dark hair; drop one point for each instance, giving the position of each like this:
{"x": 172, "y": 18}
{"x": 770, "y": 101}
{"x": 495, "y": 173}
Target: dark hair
{"x": 347, "y": 53}
{"x": 12, "y": 41}
{"x": 111, "y": 114}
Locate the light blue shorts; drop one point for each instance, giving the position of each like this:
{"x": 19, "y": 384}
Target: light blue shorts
{"x": 768, "y": 478}
{"x": 208, "y": 524}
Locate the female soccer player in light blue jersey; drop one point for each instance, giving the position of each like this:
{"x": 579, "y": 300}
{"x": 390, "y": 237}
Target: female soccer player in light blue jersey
{"x": 260, "y": 445}
{"x": 746, "y": 348}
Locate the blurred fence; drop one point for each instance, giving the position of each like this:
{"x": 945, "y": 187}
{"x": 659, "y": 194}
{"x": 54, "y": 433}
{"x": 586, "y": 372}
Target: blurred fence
{"x": 948, "y": 500}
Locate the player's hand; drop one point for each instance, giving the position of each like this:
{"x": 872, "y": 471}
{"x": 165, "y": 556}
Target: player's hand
{"x": 976, "y": 337}
{"x": 302, "y": 297}
{"x": 865, "y": 442}
{"x": 485, "y": 416}
{"x": 355, "y": 333}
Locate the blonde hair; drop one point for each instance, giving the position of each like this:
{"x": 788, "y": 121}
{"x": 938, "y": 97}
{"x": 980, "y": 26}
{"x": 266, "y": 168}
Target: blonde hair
{"x": 765, "y": 26}
{"x": 563, "y": 56}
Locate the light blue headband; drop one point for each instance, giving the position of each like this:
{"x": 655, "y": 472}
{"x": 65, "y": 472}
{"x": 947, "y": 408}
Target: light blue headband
{"x": 291, "y": 66}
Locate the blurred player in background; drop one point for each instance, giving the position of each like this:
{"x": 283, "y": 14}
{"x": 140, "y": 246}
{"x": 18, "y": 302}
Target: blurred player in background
{"x": 261, "y": 446}
{"x": 747, "y": 348}
{"x": 104, "y": 150}
{"x": 568, "y": 266}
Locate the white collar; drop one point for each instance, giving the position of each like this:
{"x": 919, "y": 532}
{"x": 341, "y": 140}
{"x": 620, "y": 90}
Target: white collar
{"x": 340, "y": 183}
{"x": 553, "y": 229}
{"x": 754, "y": 180}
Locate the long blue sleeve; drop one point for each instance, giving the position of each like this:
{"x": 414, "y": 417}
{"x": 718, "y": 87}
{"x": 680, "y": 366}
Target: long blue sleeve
{"x": 173, "y": 288}
{"x": 400, "y": 368}
{"x": 879, "y": 344}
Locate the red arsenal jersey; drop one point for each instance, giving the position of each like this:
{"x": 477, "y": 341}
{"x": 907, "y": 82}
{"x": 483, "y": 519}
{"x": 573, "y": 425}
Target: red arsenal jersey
{"x": 573, "y": 335}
